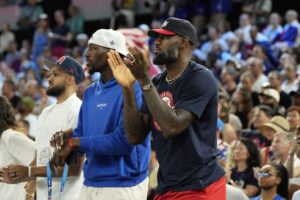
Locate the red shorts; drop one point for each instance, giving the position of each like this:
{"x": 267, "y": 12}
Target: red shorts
{"x": 216, "y": 191}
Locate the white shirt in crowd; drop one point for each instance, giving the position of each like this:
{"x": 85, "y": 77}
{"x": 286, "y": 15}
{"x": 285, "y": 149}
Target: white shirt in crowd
{"x": 56, "y": 118}
{"x": 289, "y": 87}
{"x": 235, "y": 193}
{"x": 15, "y": 149}
{"x": 256, "y": 87}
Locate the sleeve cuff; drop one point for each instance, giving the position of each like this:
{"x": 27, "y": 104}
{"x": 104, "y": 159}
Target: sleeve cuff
{"x": 84, "y": 144}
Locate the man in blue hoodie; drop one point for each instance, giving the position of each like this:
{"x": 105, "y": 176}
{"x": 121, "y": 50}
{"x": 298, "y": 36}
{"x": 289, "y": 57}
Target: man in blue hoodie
{"x": 114, "y": 169}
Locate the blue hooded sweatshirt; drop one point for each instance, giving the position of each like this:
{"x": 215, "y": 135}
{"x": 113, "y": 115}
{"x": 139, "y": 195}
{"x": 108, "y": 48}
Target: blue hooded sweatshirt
{"x": 110, "y": 160}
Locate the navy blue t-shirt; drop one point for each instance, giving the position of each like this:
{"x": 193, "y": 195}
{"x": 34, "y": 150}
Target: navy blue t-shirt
{"x": 188, "y": 161}
{"x": 242, "y": 179}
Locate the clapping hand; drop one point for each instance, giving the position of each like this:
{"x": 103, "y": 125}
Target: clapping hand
{"x": 59, "y": 156}
{"x": 60, "y": 138}
{"x": 136, "y": 66}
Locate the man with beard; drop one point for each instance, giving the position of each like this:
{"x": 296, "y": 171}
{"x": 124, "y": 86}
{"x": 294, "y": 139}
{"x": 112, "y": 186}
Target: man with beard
{"x": 180, "y": 110}
{"x": 64, "y": 76}
{"x": 114, "y": 169}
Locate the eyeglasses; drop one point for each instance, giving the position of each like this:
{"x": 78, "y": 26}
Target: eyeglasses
{"x": 264, "y": 174}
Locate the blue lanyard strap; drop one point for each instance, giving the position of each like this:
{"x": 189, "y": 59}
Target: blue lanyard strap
{"x": 63, "y": 181}
{"x": 49, "y": 181}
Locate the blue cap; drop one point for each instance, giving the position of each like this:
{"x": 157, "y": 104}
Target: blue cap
{"x": 72, "y": 67}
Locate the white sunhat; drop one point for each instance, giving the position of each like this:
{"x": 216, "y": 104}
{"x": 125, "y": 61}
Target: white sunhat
{"x": 111, "y": 39}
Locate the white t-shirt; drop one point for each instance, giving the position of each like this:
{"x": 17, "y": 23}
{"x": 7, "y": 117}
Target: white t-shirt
{"x": 256, "y": 87}
{"x": 16, "y": 149}
{"x": 55, "y": 118}
{"x": 235, "y": 193}
{"x": 296, "y": 195}
{"x": 32, "y": 120}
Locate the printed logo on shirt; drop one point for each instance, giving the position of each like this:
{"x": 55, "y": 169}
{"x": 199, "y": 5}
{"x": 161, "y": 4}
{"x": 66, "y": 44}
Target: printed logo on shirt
{"x": 45, "y": 155}
{"x": 167, "y": 97}
{"x": 101, "y": 105}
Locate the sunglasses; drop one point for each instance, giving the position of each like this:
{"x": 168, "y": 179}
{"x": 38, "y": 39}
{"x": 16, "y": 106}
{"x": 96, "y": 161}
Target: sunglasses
{"x": 264, "y": 174}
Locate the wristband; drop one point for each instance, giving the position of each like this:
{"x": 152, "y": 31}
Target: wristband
{"x": 29, "y": 171}
{"x": 30, "y": 194}
{"x": 71, "y": 145}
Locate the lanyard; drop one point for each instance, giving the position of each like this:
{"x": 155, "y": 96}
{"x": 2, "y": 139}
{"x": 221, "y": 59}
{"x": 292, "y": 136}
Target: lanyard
{"x": 63, "y": 180}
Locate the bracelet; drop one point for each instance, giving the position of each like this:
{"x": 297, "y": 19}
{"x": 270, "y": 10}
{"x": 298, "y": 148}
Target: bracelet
{"x": 29, "y": 171}
{"x": 30, "y": 194}
{"x": 71, "y": 145}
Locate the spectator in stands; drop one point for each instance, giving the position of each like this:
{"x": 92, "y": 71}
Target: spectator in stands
{"x": 259, "y": 11}
{"x": 258, "y": 39}
{"x": 256, "y": 67}
{"x": 29, "y": 16}
{"x": 269, "y": 61}
{"x": 75, "y": 21}
{"x": 213, "y": 36}
{"x": 274, "y": 30}
{"x": 293, "y": 116}
{"x": 246, "y": 81}
{"x": 219, "y": 10}
{"x": 15, "y": 149}
{"x": 290, "y": 82}
{"x": 281, "y": 146}
{"x": 125, "y": 8}
{"x": 9, "y": 91}
{"x": 232, "y": 124}
{"x": 286, "y": 58}
{"x": 6, "y": 37}
{"x": 60, "y": 34}
{"x": 273, "y": 182}
{"x": 290, "y": 31}
{"x": 244, "y": 27}
{"x": 82, "y": 40}
{"x": 200, "y": 12}
{"x": 25, "y": 111}
{"x": 226, "y": 35}
{"x": 275, "y": 81}
{"x": 13, "y": 56}
{"x": 242, "y": 103}
{"x": 228, "y": 78}
{"x": 261, "y": 115}
{"x": 270, "y": 97}
{"x": 40, "y": 38}
{"x": 277, "y": 124}
{"x": 245, "y": 156}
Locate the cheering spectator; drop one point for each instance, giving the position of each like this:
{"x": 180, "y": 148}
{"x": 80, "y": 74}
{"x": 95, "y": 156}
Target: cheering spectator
{"x": 245, "y": 157}
{"x": 273, "y": 182}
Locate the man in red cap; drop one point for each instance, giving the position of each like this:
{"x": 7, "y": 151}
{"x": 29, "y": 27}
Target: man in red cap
{"x": 179, "y": 108}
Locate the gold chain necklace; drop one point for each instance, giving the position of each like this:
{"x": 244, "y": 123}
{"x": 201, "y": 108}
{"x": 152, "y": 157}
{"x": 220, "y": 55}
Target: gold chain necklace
{"x": 170, "y": 81}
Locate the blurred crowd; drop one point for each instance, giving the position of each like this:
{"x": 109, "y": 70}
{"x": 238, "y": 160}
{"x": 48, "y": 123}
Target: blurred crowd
{"x": 257, "y": 65}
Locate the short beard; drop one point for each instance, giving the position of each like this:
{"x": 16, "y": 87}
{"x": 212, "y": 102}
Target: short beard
{"x": 165, "y": 58}
{"x": 56, "y": 91}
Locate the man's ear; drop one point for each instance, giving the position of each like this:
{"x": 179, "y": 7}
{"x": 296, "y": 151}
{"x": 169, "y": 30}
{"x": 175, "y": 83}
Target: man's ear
{"x": 184, "y": 42}
{"x": 70, "y": 80}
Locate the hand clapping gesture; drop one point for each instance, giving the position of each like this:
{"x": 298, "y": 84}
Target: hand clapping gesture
{"x": 136, "y": 66}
